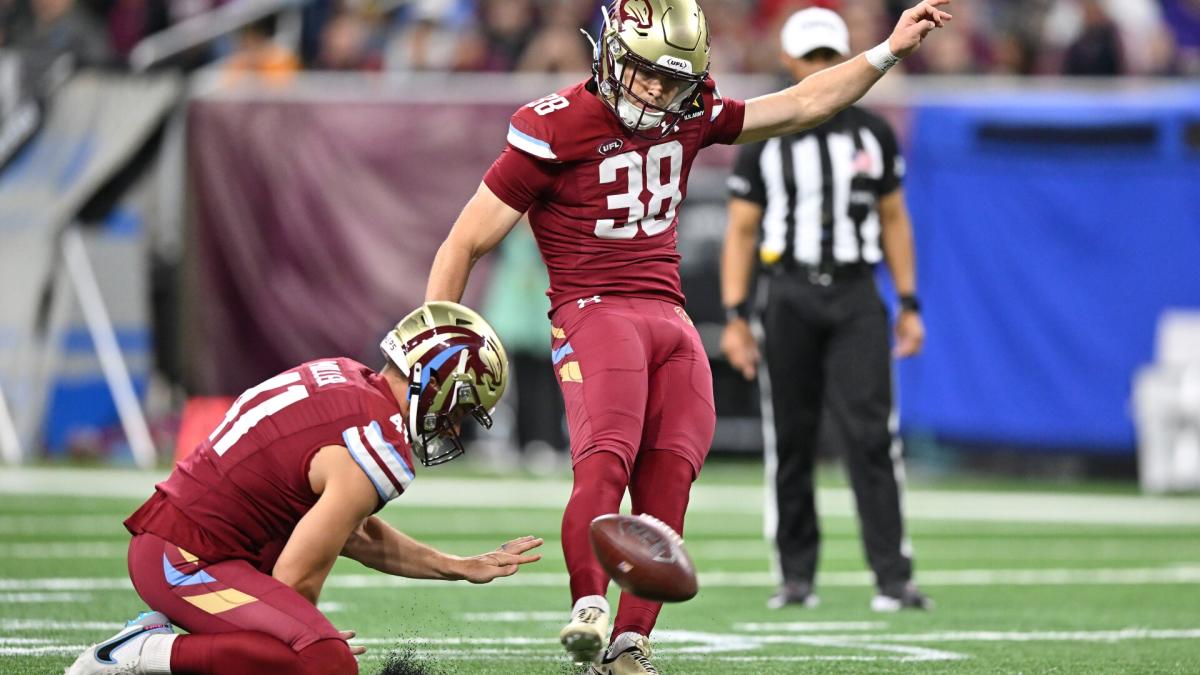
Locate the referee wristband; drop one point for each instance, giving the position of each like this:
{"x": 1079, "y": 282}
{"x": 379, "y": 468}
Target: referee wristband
{"x": 881, "y": 57}
{"x": 738, "y": 311}
{"x": 910, "y": 303}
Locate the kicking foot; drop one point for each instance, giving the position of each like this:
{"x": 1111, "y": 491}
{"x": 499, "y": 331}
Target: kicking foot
{"x": 629, "y": 654}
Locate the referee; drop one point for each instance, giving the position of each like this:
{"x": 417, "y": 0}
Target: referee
{"x": 831, "y": 207}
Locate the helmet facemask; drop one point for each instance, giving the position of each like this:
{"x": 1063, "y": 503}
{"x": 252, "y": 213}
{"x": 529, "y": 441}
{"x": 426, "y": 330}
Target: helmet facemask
{"x": 434, "y": 430}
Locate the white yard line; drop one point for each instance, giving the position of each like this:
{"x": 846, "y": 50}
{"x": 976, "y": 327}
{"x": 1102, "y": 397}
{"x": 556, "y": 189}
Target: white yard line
{"x": 1109, "y": 550}
{"x": 55, "y": 550}
{"x": 57, "y": 650}
{"x": 493, "y": 493}
{"x": 808, "y": 626}
{"x": 50, "y": 624}
{"x": 43, "y": 598}
{"x": 691, "y": 645}
{"x": 1112, "y": 636}
{"x": 514, "y": 617}
{"x": 57, "y": 524}
{"x": 1178, "y": 574}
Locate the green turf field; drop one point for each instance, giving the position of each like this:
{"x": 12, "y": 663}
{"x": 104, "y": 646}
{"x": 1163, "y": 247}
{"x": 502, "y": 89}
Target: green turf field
{"x": 1025, "y": 581}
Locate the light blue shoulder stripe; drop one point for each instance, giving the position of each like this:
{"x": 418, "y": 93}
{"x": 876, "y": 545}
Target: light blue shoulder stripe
{"x": 517, "y": 132}
{"x": 383, "y": 494}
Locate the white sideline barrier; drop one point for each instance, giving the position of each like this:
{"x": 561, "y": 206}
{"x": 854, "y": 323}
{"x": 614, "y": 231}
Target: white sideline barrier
{"x": 1166, "y": 397}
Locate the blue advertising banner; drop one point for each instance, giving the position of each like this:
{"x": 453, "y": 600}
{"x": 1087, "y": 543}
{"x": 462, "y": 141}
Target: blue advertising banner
{"x": 1051, "y": 230}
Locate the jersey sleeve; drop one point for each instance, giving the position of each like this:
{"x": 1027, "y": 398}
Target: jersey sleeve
{"x": 518, "y": 179}
{"x": 525, "y": 168}
{"x": 893, "y": 160}
{"x": 746, "y": 180}
{"x": 725, "y": 116}
{"x": 383, "y": 453}
{"x": 530, "y": 129}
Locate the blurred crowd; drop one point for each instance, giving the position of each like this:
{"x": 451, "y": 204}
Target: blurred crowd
{"x": 1011, "y": 37}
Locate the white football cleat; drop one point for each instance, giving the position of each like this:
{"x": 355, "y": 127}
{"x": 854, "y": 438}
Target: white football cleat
{"x": 586, "y": 635}
{"x": 629, "y": 654}
{"x": 121, "y": 654}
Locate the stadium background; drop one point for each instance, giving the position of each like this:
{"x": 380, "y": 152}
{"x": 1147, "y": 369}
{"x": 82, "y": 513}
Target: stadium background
{"x": 195, "y": 195}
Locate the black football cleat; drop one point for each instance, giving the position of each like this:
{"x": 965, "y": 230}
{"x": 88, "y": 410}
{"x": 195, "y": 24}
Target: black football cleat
{"x": 902, "y": 596}
{"x": 794, "y": 594}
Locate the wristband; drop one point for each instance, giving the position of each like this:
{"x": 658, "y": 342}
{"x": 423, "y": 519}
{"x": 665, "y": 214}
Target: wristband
{"x": 738, "y": 311}
{"x": 910, "y": 303}
{"x": 881, "y": 57}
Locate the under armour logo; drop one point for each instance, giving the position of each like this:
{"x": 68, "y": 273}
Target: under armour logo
{"x": 584, "y": 302}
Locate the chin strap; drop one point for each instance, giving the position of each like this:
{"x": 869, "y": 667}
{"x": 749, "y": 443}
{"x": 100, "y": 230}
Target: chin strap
{"x": 414, "y": 396}
{"x": 592, "y": 41}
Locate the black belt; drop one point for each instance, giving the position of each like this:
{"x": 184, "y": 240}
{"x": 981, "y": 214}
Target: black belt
{"x": 822, "y": 275}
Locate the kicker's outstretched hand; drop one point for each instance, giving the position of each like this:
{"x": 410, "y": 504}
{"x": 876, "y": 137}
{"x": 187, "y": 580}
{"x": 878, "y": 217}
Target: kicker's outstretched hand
{"x": 915, "y": 23}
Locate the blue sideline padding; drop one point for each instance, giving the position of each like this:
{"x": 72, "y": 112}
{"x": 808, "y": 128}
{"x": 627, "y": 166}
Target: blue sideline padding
{"x": 1051, "y": 231}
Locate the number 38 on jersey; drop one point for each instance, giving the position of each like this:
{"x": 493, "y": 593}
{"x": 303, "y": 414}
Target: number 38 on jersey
{"x": 656, "y": 171}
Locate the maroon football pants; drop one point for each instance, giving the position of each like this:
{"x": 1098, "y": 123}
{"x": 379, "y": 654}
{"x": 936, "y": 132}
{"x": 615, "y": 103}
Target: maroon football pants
{"x": 241, "y": 621}
{"x": 638, "y": 393}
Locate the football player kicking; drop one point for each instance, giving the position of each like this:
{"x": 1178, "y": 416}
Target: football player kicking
{"x": 601, "y": 168}
{"x": 236, "y": 544}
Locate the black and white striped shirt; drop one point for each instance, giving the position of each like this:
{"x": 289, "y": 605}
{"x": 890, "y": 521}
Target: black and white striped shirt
{"x": 819, "y": 190}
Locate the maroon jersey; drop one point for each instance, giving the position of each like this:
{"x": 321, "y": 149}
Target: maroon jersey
{"x": 242, "y": 491}
{"x": 603, "y": 202}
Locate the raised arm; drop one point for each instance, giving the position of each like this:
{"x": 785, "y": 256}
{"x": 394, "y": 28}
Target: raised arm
{"x": 820, "y": 96}
{"x": 482, "y": 225}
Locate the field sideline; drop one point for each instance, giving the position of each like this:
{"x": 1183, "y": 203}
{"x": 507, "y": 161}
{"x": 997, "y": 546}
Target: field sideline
{"x": 1079, "y": 581}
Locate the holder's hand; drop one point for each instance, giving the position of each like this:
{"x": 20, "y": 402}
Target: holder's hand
{"x": 503, "y": 562}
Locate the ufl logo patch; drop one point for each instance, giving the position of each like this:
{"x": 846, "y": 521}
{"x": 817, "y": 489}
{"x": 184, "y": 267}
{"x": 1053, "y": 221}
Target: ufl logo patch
{"x": 676, "y": 63}
{"x": 610, "y": 146}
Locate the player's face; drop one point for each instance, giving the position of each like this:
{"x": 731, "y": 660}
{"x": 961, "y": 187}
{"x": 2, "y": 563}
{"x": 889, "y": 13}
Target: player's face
{"x": 652, "y": 87}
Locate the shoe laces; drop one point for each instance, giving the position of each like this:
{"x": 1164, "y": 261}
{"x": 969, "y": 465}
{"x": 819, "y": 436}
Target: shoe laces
{"x": 642, "y": 660}
{"x": 588, "y": 615}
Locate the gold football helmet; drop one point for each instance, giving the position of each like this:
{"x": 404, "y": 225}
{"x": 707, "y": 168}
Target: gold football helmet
{"x": 663, "y": 39}
{"x": 455, "y": 366}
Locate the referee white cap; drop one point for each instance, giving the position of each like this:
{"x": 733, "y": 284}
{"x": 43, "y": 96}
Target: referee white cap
{"x": 814, "y": 28}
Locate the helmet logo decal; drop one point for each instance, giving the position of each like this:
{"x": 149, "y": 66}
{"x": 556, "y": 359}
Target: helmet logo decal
{"x": 437, "y": 363}
{"x": 636, "y": 11}
{"x": 611, "y": 146}
{"x": 456, "y": 368}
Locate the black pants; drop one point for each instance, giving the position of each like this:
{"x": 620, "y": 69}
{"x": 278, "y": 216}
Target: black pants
{"x": 540, "y": 409}
{"x": 828, "y": 359}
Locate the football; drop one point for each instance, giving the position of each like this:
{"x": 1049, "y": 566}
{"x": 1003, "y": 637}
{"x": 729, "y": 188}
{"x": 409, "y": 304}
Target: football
{"x": 644, "y": 556}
